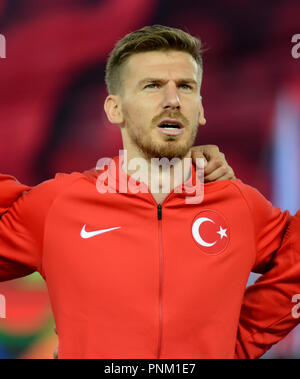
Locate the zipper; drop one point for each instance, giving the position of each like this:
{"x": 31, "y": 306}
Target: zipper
{"x": 159, "y": 212}
{"x": 161, "y": 263}
{"x": 159, "y": 217}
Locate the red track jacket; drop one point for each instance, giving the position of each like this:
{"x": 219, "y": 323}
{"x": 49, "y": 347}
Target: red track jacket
{"x": 128, "y": 279}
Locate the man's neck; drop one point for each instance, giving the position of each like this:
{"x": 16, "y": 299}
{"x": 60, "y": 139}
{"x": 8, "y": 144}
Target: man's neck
{"x": 160, "y": 177}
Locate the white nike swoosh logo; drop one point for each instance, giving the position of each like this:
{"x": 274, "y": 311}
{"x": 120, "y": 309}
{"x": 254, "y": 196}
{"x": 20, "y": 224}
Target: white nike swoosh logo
{"x": 85, "y": 234}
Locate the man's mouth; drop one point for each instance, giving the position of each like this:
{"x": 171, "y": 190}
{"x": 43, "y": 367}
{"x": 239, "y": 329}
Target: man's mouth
{"x": 171, "y": 127}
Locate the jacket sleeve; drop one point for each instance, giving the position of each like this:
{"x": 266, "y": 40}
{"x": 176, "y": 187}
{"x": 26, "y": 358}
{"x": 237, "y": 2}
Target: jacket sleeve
{"x": 271, "y": 306}
{"x": 22, "y": 228}
{"x": 268, "y": 224}
{"x": 10, "y": 191}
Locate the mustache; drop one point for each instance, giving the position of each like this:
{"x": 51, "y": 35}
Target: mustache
{"x": 176, "y": 115}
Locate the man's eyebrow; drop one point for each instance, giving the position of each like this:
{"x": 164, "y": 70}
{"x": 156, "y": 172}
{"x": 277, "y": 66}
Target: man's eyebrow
{"x": 159, "y": 80}
{"x": 187, "y": 81}
{"x": 147, "y": 80}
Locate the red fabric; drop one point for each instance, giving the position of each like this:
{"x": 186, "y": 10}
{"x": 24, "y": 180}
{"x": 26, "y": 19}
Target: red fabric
{"x": 266, "y": 315}
{"x": 146, "y": 290}
{"x": 10, "y": 190}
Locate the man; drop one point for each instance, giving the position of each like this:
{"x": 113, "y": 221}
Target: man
{"x": 145, "y": 274}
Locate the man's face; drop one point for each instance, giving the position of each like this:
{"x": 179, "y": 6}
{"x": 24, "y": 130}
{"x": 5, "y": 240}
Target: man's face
{"x": 161, "y": 103}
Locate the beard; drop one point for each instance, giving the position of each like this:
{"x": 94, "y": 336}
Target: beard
{"x": 171, "y": 146}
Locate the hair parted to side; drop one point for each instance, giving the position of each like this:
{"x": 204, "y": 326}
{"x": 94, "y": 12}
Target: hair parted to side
{"x": 148, "y": 38}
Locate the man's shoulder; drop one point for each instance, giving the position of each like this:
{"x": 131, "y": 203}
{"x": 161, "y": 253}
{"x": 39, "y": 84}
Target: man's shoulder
{"x": 259, "y": 205}
{"x": 248, "y": 192}
{"x": 47, "y": 191}
{"x": 63, "y": 180}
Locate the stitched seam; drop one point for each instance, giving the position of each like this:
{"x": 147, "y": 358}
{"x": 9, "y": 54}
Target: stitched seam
{"x": 61, "y": 193}
{"x": 252, "y": 219}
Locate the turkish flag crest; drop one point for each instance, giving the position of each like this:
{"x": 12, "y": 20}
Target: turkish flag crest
{"x": 211, "y": 232}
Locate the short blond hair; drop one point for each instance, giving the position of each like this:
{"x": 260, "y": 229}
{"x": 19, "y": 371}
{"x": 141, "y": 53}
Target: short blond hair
{"x": 149, "y": 38}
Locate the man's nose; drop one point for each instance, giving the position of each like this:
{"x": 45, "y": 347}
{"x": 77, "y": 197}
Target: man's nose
{"x": 171, "y": 97}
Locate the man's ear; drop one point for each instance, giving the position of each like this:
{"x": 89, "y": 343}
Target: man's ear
{"x": 202, "y": 120}
{"x": 113, "y": 109}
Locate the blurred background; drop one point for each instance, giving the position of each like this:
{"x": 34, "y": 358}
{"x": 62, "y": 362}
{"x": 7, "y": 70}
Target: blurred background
{"x": 52, "y": 120}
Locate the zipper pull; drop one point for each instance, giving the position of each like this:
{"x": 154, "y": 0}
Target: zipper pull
{"x": 159, "y": 212}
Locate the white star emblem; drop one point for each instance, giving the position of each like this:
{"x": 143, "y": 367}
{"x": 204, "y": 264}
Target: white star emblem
{"x": 222, "y": 232}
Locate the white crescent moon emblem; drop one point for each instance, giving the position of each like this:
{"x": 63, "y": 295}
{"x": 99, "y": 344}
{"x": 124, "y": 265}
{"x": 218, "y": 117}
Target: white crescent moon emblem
{"x": 196, "y": 234}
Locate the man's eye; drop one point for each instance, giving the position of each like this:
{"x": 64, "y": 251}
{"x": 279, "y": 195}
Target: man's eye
{"x": 152, "y": 85}
{"x": 186, "y": 86}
